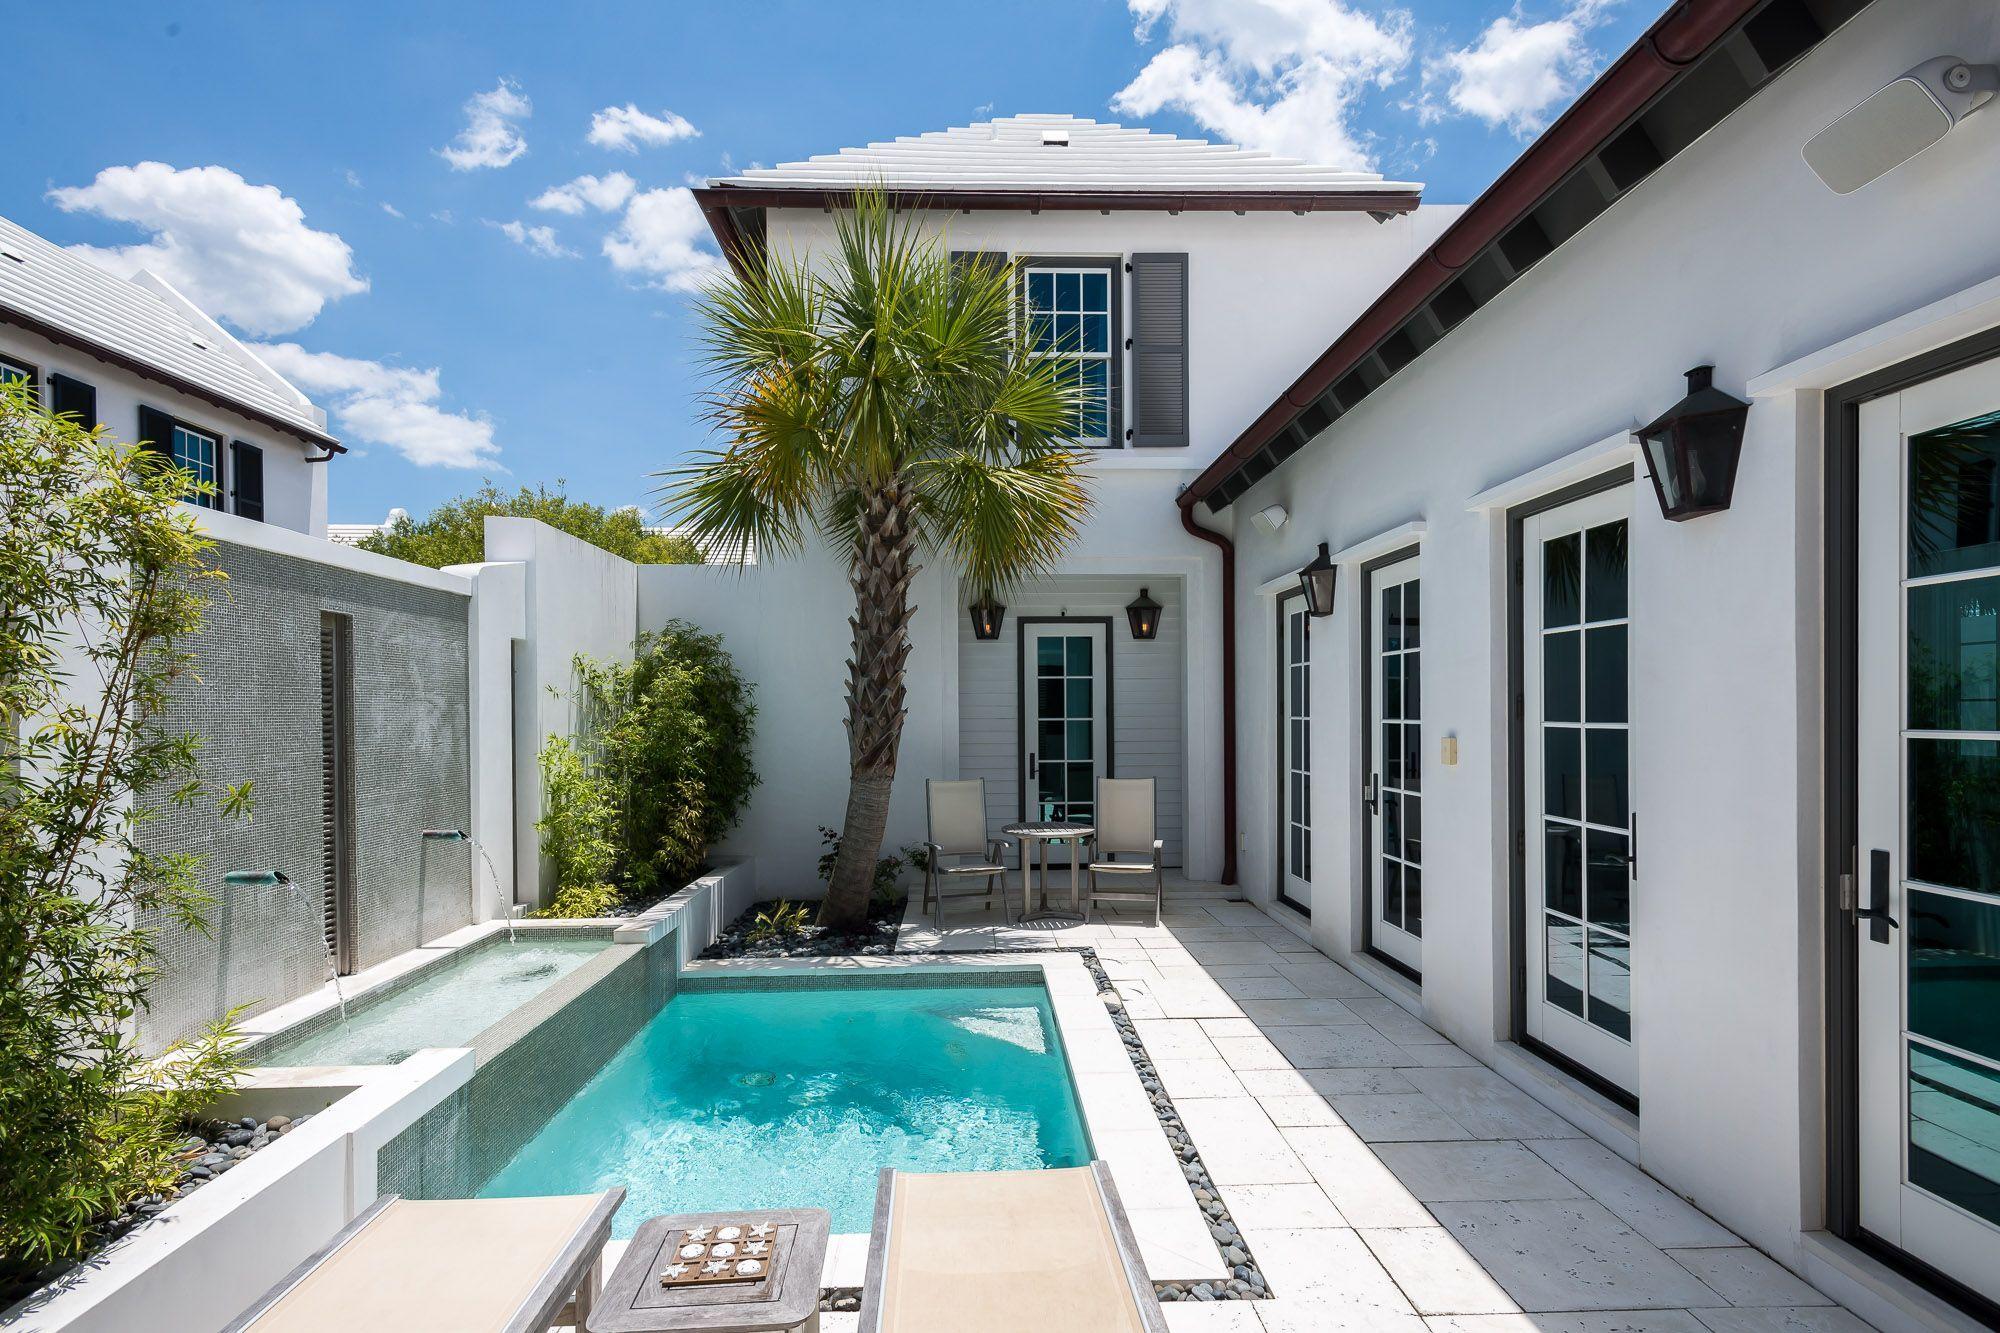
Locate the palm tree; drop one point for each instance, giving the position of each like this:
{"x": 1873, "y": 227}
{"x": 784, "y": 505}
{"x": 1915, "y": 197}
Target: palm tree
{"x": 888, "y": 400}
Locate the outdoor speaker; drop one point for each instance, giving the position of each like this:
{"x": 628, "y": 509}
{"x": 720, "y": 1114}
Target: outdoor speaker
{"x": 1898, "y": 121}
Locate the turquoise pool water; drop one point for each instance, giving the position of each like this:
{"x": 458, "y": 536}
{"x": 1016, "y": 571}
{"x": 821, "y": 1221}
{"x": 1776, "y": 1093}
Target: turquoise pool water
{"x": 447, "y": 1007}
{"x": 797, "y": 1098}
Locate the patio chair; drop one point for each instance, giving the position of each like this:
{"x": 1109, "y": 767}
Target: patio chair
{"x": 1002, "y": 1251}
{"x": 448, "y": 1266}
{"x": 1127, "y": 827}
{"x": 956, "y": 812}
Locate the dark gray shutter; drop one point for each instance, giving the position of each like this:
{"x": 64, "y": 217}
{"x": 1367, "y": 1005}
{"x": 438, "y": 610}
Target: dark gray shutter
{"x": 73, "y": 398}
{"x": 156, "y": 433}
{"x": 246, "y": 479}
{"x": 1159, "y": 351}
{"x": 961, "y": 260}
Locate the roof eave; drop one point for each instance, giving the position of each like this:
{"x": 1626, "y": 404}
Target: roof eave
{"x": 181, "y": 384}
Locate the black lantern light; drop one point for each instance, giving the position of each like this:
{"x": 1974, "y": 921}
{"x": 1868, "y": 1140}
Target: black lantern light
{"x": 1692, "y": 450}
{"x": 1316, "y": 579}
{"x": 987, "y": 617}
{"x": 1144, "y": 613}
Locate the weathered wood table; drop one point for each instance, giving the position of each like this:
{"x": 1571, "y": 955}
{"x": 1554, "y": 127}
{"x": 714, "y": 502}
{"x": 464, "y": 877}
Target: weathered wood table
{"x": 1041, "y": 833}
{"x": 783, "y": 1298}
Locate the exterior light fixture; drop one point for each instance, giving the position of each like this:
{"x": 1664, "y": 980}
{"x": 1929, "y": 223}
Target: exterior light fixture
{"x": 987, "y": 617}
{"x": 1272, "y": 517}
{"x": 1144, "y": 613}
{"x": 1316, "y": 580}
{"x": 1692, "y": 450}
{"x": 1898, "y": 121}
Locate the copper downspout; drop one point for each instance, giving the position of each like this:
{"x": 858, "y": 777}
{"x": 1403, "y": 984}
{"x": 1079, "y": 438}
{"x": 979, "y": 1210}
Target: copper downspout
{"x": 1228, "y": 549}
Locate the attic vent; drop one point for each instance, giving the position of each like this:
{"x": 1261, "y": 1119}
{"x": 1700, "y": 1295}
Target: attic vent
{"x": 1055, "y": 138}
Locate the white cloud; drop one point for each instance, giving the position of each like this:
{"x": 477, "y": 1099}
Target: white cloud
{"x": 537, "y": 240}
{"x": 1518, "y": 74}
{"x": 388, "y": 405}
{"x": 660, "y": 238}
{"x": 490, "y": 137}
{"x": 241, "y": 252}
{"x": 1282, "y": 75}
{"x": 391, "y": 209}
{"x": 353, "y": 179}
{"x": 627, "y": 129}
{"x": 603, "y": 193}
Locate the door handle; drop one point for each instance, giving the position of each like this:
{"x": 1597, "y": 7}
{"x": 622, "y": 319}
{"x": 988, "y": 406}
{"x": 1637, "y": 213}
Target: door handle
{"x": 1876, "y": 914}
{"x": 1371, "y": 795}
{"x": 1031, "y": 766}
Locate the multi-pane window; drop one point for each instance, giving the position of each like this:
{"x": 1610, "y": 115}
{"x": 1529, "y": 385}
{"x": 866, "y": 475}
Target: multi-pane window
{"x": 199, "y": 454}
{"x": 1586, "y": 812}
{"x": 1066, "y": 718}
{"x": 1298, "y": 748}
{"x": 1069, "y": 316}
{"x": 13, "y": 372}
{"x": 1402, "y": 882}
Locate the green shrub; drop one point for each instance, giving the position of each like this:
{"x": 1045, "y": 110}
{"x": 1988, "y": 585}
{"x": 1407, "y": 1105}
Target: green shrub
{"x": 582, "y": 900}
{"x": 780, "y": 921}
{"x": 103, "y": 578}
{"x": 579, "y": 823}
{"x": 886, "y": 890}
{"x": 455, "y": 532}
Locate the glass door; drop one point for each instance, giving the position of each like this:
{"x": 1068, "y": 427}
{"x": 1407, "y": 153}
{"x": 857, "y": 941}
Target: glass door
{"x": 1064, "y": 690}
{"x": 1295, "y": 752}
{"x": 1579, "y": 840}
{"x": 1927, "y": 868}
{"x": 1394, "y": 785}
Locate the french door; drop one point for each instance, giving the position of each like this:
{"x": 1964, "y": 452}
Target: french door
{"x": 1927, "y": 872}
{"x": 1576, "y": 768}
{"x": 1395, "y": 783}
{"x": 1066, "y": 708}
{"x": 1295, "y": 752}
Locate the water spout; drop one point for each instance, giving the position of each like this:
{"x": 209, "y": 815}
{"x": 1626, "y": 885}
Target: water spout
{"x": 278, "y": 878}
{"x": 460, "y": 835}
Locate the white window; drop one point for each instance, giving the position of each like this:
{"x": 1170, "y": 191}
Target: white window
{"x": 200, "y": 454}
{"x": 12, "y": 371}
{"x": 1069, "y": 316}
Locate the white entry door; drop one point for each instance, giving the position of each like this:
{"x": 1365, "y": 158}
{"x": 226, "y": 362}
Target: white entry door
{"x": 1396, "y": 750}
{"x": 1576, "y": 762}
{"x": 1064, "y": 692}
{"x": 1929, "y": 823}
{"x": 1295, "y": 752}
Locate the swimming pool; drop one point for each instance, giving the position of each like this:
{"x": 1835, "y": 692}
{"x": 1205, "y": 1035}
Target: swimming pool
{"x": 769, "y": 1098}
{"x": 446, "y": 1006}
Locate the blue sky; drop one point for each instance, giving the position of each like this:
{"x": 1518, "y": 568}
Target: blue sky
{"x": 367, "y": 186}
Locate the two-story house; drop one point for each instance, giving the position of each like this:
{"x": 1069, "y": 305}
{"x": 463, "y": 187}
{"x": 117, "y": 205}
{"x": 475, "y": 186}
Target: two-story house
{"x": 148, "y": 365}
{"x": 1186, "y": 276}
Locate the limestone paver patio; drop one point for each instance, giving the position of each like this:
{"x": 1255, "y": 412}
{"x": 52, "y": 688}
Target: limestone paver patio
{"x": 1385, "y": 1179}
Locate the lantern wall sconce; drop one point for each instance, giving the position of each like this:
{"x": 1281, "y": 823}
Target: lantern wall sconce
{"x": 1692, "y": 449}
{"x": 1144, "y": 615}
{"x": 1316, "y": 581}
{"x": 987, "y": 618}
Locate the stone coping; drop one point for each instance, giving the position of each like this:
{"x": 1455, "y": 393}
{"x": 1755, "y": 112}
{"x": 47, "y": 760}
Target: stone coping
{"x": 1118, "y": 1115}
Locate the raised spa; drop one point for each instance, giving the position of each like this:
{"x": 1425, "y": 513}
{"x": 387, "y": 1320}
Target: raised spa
{"x": 768, "y": 1098}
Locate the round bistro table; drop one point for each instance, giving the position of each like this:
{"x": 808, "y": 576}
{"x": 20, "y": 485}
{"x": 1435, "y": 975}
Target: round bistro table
{"x": 1041, "y": 833}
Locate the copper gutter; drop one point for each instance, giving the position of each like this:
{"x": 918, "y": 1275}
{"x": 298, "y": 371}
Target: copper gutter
{"x": 1681, "y": 36}
{"x": 1228, "y": 549}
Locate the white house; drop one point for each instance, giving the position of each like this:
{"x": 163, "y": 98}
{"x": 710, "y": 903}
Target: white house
{"x": 1687, "y": 827}
{"x": 143, "y": 361}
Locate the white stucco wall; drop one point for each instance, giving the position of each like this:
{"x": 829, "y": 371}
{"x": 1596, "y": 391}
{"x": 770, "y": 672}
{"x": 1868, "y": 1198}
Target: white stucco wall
{"x": 576, "y": 599}
{"x": 1732, "y": 254}
{"x": 294, "y": 490}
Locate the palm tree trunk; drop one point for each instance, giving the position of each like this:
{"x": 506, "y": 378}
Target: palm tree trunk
{"x": 883, "y": 566}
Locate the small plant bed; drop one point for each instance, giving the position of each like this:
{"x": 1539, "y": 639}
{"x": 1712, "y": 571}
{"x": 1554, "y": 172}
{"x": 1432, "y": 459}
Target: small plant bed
{"x": 789, "y": 928}
{"x": 211, "y": 1150}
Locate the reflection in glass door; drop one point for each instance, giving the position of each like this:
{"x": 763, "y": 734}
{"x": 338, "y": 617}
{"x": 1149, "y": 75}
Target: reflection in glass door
{"x": 1395, "y": 749}
{"x": 1927, "y": 869}
{"x": 1295, "y": 752}
{"x": 1578, "y": 843}
{"x": 1063, "y": 689}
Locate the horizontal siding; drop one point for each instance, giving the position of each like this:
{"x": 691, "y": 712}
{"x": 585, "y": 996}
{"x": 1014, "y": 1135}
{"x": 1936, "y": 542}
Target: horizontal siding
{"x": 1148, "y": 682}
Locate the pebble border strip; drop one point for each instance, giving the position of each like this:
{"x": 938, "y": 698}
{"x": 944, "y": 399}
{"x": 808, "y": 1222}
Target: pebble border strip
{"x": 1246, "y": 1281}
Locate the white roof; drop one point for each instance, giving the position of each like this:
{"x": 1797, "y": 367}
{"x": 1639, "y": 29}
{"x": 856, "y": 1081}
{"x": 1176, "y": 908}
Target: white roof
{"x": 143, "y": 320}
{"x": 1059, "y": 154}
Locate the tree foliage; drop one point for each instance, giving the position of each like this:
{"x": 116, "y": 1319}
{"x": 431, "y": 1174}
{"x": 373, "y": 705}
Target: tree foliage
{"x": 455, "y": 532}
{"x": 103, "y": 580}
{"x": 894, "y": 405}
